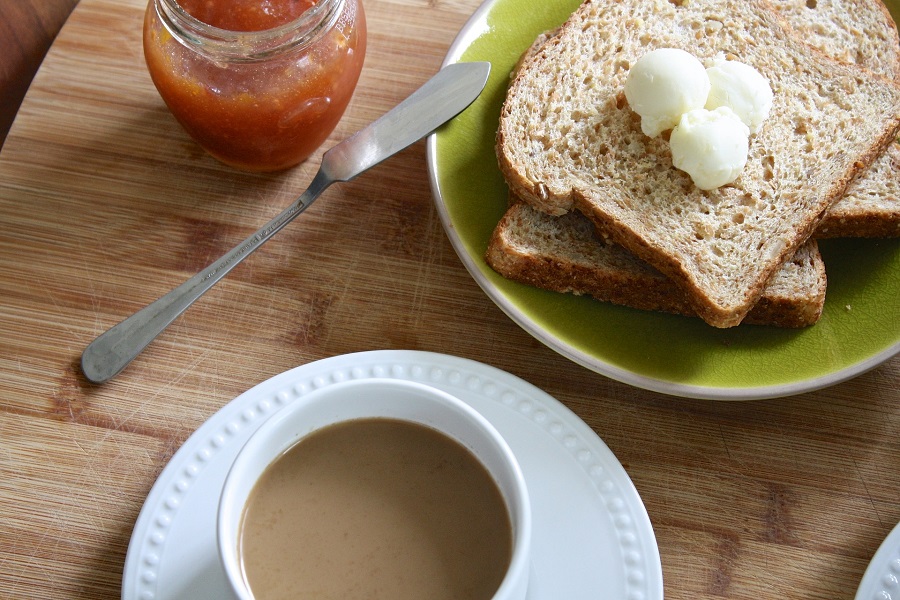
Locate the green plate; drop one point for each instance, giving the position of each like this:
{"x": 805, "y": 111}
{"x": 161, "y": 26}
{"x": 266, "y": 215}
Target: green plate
{"x": 859, "y": 329}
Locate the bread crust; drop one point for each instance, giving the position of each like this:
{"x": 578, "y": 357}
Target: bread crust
{"x": 870, "y": 207}
{"x": 564, "y": 254}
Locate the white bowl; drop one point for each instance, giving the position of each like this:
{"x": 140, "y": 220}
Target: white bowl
{"x": 372, "y": 398}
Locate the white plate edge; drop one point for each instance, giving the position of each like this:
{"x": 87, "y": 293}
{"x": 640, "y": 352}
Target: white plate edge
{"x": 872, "y": 586}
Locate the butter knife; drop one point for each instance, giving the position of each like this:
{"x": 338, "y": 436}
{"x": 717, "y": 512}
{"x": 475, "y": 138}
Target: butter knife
{"x": 440, "y": 99}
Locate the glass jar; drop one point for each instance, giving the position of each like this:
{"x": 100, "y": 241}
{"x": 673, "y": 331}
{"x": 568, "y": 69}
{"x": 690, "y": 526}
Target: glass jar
{"x": 256, "y": 96}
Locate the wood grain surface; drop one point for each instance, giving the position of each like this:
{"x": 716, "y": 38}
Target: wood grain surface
{"x": 105, "y": 204}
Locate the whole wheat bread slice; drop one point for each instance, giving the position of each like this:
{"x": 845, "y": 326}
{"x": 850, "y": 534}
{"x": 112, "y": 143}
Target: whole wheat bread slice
{"x": 862, "y": 30}
{"x": 568, "y": 140}
{"x": 564, "y": 254}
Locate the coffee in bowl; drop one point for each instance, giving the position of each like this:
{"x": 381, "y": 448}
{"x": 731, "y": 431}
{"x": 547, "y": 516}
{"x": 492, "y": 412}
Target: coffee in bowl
{"x": 375, "y": 489}
{"x": 380, "y": 504}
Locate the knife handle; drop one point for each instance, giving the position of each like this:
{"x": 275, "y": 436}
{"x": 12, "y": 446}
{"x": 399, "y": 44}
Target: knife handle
{"x": 112, "y": 351}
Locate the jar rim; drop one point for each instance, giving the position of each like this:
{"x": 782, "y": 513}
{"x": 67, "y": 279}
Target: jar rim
{"x": 228, "y": 45}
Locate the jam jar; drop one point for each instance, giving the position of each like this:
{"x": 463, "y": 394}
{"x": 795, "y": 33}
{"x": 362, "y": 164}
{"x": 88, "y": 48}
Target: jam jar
{"x": 259, "y": 84}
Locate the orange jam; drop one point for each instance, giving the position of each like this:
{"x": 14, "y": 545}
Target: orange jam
{"x": 259, "y": 84}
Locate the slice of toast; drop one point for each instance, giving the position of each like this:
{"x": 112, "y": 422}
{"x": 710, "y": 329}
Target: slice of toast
{"x": 860, "y": 31}
{"x": 564, "y": 254}
{"x": 567, "y": 139}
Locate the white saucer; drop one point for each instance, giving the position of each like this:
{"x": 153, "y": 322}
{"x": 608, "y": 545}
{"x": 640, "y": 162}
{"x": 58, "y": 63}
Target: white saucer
{"x": 881, "y": 581}
{"x": 592, "y": 536}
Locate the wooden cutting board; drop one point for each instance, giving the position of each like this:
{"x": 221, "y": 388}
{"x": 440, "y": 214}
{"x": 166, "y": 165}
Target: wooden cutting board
{"x": 105, "y": 204}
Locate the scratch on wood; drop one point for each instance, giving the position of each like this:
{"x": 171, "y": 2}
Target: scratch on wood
{"x": 71, "y": 403}
{"x": 725, "y": 442}
{"x": 727, "y": 552}
{"x": 69, "y": 400}
{"x": 862, "y": 481}
{"x": 314, "y": 321}
{"x": 777, "y": 520}
{"x": 165, "y": 454}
